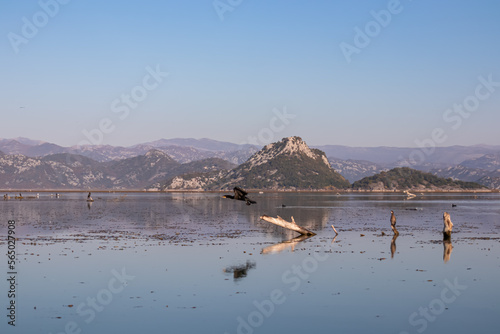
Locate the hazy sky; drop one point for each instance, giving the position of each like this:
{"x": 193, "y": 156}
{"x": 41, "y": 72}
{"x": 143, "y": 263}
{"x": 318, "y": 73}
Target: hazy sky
{"x": 358, "y": 73}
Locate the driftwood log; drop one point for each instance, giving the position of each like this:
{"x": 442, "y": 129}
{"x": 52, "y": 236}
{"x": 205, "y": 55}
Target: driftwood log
{"x": 334, "y": 230}
{"x": 448, "y": 225}
{"x": 288, "y": 225}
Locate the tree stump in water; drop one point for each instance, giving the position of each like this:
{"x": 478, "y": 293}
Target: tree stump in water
{"x": 448, "y": 225}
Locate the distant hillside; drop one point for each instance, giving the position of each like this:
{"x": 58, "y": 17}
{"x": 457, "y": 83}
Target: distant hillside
{"x": 199, "y": 144}
{"x": 70, "y": 171}
{"x": 491, "y": 181}
{"x": 206, "y": 165}
{"x": 461, "y": 173}
{"x": 24, "y": 141}
{"x": 103, "y": 153}
{"x": 395, "y": 156}
{"x": 356, "y": 162}
{"x": 489, "y": 162}
{"x": 201, "y": 149}
{"x": 288, "y": 164}
{"x": 184, "y": 154}
{"x": 484, "y": 170}
{"x": 405, "y": 178}
{"x": 354, "y": 170}
{"x": 191, "y": 181}
{"x": 21, "y": 156}
{"x": 140, "y": 171}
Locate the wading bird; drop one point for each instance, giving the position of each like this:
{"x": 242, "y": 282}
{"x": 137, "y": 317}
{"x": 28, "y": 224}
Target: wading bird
{"x": 240, "y": 195}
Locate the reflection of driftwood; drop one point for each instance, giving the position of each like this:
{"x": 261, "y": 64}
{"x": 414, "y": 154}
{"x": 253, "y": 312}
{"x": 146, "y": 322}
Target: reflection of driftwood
{"x": 396, "y": 232}
{"x": 447, "y": 246}
{"x": 448, "y": 225}
{"x": 447, "y": 249}
{"x": 279, "y": 247}
{"x": 241, "y": 270}
{"x": 288, "y": 225}
{"x": 393, "y": 245}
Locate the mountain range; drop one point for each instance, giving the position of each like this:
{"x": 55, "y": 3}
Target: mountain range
{"x": 181, "y": 150}
{"x": 69, "y": 171}
{"x": 107, "y": 164}
{"x": 484, "y": 170}
{"x": 383, "y": 155}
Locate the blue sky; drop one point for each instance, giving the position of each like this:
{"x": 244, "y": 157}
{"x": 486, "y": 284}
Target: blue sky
{"x": 229, "y": 78}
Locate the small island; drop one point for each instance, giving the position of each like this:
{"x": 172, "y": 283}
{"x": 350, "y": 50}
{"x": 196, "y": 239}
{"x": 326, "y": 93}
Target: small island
{"x": 405, "y": 178}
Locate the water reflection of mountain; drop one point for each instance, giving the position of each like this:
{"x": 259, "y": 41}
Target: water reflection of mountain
{"x": 209, "y": 209}
{"x": 34, "y": 216}
{"x": 191, "y": 213}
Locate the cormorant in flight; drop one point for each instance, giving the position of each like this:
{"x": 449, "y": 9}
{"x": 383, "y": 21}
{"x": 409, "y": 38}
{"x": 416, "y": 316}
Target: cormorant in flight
{"x": 240, "y": 195}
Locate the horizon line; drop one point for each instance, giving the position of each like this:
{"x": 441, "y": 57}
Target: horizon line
{"x": 41, "y": 142}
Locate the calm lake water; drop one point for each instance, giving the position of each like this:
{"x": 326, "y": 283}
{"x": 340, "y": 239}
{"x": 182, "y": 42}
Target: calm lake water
{"x": 197, "y": 263}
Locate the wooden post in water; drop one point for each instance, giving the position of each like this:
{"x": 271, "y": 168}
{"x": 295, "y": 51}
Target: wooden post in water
{"x": 336, "y": 233}
{"x": 288, "y": 225}
{"x": 448, "y": 225}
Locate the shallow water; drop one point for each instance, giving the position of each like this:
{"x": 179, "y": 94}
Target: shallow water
{"x": 197, "y": 263}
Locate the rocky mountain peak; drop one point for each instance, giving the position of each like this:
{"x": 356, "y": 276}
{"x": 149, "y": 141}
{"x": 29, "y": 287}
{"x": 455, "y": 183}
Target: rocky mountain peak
{"x": 155, "y": 153}
{"x": 287, "y": 164}
{"x": 289, "y": 146}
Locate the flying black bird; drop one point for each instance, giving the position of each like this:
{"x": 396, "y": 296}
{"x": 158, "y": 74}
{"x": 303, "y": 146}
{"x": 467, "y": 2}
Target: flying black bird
{"x": 240, "y": 195}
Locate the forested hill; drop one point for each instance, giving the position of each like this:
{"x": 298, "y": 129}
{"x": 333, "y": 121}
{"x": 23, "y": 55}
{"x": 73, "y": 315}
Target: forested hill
{"x": 405, "y": 178}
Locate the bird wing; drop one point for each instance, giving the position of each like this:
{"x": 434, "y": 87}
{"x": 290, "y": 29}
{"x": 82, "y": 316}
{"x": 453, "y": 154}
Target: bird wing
{"x": 239, "y": 193}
